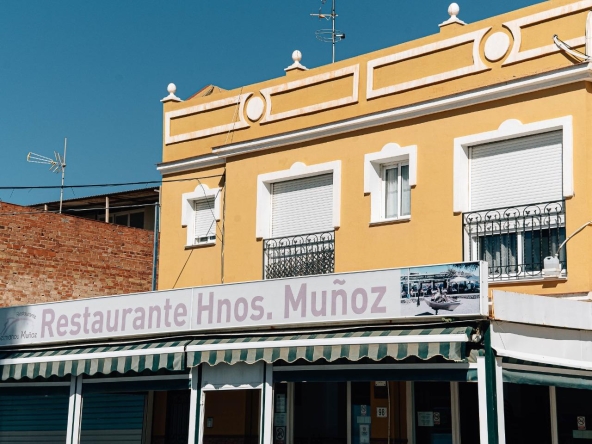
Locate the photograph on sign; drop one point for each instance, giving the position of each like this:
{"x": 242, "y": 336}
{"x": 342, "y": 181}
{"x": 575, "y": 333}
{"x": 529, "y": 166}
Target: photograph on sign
{"x": 449, "y": 289}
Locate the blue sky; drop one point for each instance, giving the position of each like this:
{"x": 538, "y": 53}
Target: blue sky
{"x": 94, "y": 71}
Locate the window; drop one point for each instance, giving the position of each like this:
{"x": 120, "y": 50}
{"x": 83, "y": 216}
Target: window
{"x": 389, "y": 176}
{"x": 200, "y": 214}
{"x": 297, "y": 212}
{"x": 397, "y": 192}
{"x": 204, "y": 225}
{"x": 517, "y": 215}
{"x": 134, "y": 219}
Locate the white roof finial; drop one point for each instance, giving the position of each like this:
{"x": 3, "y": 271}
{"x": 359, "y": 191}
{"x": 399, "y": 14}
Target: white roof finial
{"x": 296, "y": 57}
{"x": 172, "y": 89}
{"x": 453, "y": 11}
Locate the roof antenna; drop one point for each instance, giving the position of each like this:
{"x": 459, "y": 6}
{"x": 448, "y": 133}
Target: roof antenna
{"x": 57, "y": 165}
{"x": 329, "y": 35}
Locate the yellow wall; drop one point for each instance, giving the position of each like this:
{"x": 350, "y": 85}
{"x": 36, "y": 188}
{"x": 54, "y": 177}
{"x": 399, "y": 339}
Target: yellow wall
{"x": 434, "y": 233}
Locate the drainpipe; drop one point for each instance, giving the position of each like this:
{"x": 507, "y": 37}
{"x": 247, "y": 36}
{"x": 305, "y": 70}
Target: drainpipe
{"x": 155, "y": 246}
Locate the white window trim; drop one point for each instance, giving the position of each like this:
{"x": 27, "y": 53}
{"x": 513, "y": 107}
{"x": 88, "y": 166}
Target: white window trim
{"x": 509, "y": 129}
{"x": 202, "y": 192}
{"x": 297, "y": 171}
{"x": 374, "y": 164}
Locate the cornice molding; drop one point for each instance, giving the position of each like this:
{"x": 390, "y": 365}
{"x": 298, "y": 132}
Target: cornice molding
{"x": 563, "y": 76}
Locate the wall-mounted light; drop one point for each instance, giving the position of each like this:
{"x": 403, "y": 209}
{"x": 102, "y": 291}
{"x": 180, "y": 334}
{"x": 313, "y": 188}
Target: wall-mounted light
{"x": 551, "y": 264}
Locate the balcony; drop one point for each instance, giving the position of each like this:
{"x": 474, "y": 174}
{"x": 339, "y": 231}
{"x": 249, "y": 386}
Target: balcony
{"x": 515, "y": 240}
{"x": 301, "y": 255}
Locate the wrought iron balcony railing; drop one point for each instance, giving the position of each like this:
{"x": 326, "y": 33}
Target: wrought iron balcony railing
{"x": 301, "y": 255}
{"x": 515, "y": 240}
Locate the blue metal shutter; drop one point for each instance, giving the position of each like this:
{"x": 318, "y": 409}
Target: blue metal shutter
{"x": 33, "y": 419}
{"x": 114, "y": 418}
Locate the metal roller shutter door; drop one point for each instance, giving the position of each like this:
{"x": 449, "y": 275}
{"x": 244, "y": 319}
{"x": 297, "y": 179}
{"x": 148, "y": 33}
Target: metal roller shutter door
{"x": 302, "y": 206}
{"x": 33, "y": 419}
{"x": 521, "y": 171}
{"x": 114, "y": 418}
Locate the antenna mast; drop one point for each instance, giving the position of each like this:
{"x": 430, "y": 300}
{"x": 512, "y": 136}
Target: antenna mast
{"x": 57, "y": 165}
{"x": 329, "y": 35}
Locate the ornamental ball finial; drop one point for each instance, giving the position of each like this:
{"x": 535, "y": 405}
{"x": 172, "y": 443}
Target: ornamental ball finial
{"x": 296, "y": 56}
{"x": 453, "y": 9}
{"x": 172, "y": 88}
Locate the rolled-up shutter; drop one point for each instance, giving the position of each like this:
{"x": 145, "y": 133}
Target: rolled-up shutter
{"x": 204, "y": 223}
{"x": 521, "y": 171}
{"x": 302, "y": 206}
{"x": 114, "y": 418}
{"x": 33, "y": 419}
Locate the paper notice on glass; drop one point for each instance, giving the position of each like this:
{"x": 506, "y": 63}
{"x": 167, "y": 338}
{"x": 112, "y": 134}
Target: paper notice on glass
{"x": 280, "y": 403}
{"x": 425, "y": 419}
{"x": 279, "y": 419}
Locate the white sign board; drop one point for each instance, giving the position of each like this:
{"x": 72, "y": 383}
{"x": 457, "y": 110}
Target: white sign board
{"x": 336, "y": 298}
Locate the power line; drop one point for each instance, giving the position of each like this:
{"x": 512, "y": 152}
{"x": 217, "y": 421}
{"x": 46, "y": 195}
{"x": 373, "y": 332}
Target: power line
{"x": 99, "y": 185}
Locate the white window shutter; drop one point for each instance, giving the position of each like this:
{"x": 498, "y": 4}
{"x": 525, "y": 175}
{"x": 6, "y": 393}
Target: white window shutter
{"x": 204, "y": 224}
{"x": 302, "y": 206}
{"x": 522, "y": 171}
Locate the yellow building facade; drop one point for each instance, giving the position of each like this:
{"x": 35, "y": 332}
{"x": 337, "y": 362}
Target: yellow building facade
{"x": 425, "y": 103}
{"x": 467, "y": 145}
{"x": 393, "y": 248}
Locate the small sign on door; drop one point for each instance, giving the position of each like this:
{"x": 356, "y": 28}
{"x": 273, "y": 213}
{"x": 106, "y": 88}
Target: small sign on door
{"x": 381, "y": 412}
{"x": 581, "y": 423}
{"x": 436, "y": 418}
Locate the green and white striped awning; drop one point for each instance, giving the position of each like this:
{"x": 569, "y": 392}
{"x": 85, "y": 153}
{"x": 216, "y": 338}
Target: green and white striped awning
{"x": 449, "y": 343}
{"x": 92, "y": 360}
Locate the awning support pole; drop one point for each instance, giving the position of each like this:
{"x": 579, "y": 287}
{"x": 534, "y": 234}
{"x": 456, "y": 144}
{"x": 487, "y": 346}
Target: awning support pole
{"x": 487, "y": 389}
{"x": 74, "y": 410}
{"x": 195, "y": 406}
{"x": 267, "y": 410}
{"x": 499, "y": 385}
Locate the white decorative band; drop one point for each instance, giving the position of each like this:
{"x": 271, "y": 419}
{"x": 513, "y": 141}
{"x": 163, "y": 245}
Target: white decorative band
{"x": 204, "y": 107}
{"x": 267, "y": 93}
{"x": 476, "y": 67}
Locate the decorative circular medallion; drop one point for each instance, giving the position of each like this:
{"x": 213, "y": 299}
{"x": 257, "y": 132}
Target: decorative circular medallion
{"x": 255, "y": 108}
{"x": 497, "y": 46}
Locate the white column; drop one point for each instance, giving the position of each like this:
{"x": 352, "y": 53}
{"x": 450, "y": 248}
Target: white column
{"x": 74, "y": 410}
{"x": 267, "y": 405}
{"x": 482, "y": 390}
{"x": 499, "y": 388}
{"x": 553, "y": 406}
{"x": 410, "y": 401}
{"x": 455, "y": 407}
{"x": 194, "y": 404}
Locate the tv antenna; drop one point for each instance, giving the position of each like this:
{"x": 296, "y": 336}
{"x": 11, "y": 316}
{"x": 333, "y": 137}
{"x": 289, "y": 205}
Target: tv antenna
{"x": 56, "y": 165}
{"x": 329, "y": 35}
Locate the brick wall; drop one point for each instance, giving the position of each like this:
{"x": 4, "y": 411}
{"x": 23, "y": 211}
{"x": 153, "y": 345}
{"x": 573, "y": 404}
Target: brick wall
{"x": 47, "y": 257}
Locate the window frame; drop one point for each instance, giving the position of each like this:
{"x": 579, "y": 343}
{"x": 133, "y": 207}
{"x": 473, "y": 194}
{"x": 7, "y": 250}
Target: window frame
{"x": 375, "y": 165}
{"x": 298, "y": 170}
{"x": 188, "y": 201}
{"x": 385, "y": 168}
{"x": 508, "y": 129}
{"x": 195, "y": 237}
